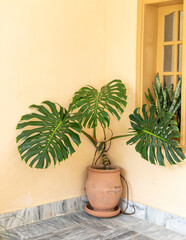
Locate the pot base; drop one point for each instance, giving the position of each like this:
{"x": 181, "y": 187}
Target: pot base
{"x": 101, "y": 213}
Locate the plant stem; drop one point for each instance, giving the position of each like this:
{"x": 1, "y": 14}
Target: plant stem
{"x": 106, "y": 161}
{"x": 92, "y": 139}
{"x": 119, "y": 136}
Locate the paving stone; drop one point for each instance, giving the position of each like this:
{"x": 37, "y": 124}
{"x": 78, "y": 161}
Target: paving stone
{"x": 81, "y": 226}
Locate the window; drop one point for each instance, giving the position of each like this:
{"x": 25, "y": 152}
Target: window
{"x": 169, "y": 43}
{"x": 160, "y": 48}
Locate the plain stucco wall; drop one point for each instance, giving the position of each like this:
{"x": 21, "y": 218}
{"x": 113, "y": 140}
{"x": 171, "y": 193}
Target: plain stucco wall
{"x": 48, "y": 50}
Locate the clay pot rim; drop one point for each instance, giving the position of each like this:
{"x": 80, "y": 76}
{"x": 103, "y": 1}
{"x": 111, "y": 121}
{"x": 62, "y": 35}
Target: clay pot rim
{"x": 98, "y": 169}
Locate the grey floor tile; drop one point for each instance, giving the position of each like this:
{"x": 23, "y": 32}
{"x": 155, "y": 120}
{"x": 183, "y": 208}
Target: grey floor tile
{"x": 91, "y": 223}
{"x": 72, "y": 218}
{"x": 76, "y": 233}
{"x": 142, "y": 237}
{"x": 121, "y": 220}
{"x": 110, "y": 222}
{"x": 165, "y": 234}
{"x": 9, "y": 236}
{"x": 81, "y": 226}
{"x": 51, "y": 237}
{"x": 20, "y": 233}
{"x": 143, "y": 227}
{"x": 154, "y": 231}
{"x": 126, "y": 220}
{"x": 46, "y": 236}
{"x": 119, "y": 233}
{"x": 31, "y": 230}
{"x": 57, "y": 223}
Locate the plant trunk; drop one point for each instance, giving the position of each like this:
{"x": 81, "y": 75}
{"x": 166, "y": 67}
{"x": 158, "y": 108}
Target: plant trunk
{"x": 106, "y": 161}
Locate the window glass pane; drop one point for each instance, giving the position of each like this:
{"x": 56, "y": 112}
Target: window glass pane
{"x": 169, "y": 80}
{"x": 179, "y": 58}
{"x": 169, "y": 27}
{"x": 168, "y": 58}
{"x": 180, "y": 25}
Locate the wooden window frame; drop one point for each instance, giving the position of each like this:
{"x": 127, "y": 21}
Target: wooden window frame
{"x": 146, "y": 53}
{"x": 161, "y": 43}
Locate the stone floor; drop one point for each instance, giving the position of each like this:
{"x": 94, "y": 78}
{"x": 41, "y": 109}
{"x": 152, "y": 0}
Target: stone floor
{"x": 81, "y": 226}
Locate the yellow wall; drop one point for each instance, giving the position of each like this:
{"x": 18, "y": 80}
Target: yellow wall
{"x": 160, "y": 187}
{"x": 49, "y": 49}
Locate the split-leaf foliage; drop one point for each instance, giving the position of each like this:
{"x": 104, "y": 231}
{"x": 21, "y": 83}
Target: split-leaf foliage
{"x": 154, "y": 135}
{"x": 96, "y": 106}
{"x": 51, "y": 132}
{"x": 50, "y": 135}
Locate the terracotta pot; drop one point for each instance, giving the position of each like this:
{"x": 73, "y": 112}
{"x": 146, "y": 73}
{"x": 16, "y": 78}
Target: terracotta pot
{"x": 103, "y": 189}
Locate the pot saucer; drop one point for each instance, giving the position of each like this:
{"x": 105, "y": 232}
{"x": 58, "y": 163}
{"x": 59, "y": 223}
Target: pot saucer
{"x": 101, "y": 213}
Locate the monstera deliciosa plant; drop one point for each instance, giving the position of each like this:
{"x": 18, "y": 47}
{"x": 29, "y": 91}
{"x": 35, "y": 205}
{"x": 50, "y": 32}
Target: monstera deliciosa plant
{"x": 51, "y": 131}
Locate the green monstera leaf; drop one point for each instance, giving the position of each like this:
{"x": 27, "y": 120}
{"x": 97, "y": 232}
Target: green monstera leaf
{"x": 95, "y": 106}
{"x": 48, "y": 135}
{"x": 155, "y": 134}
